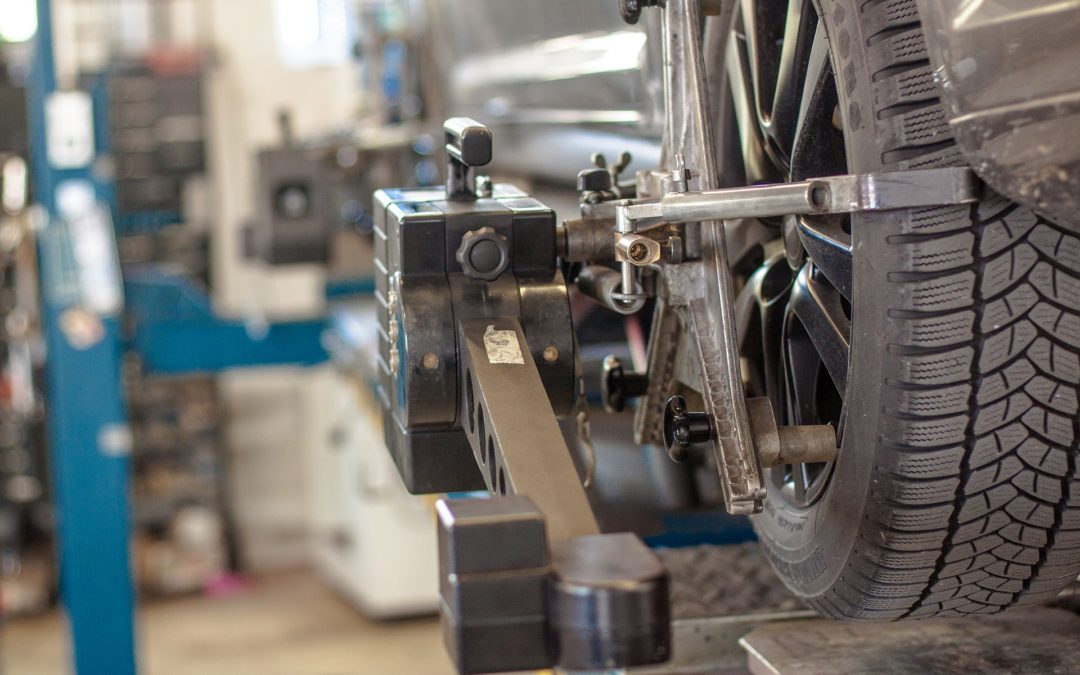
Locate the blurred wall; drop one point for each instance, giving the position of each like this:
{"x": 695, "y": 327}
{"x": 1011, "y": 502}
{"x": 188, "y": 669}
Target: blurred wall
{"x": 247, "y": 86}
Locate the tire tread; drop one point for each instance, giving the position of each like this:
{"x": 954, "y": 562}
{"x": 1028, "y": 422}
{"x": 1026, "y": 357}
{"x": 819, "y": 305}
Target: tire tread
{"x": 975, "y": 506}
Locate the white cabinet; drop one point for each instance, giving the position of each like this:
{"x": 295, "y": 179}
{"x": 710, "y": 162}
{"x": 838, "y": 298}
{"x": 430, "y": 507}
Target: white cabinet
{"x": 370, "y": 539}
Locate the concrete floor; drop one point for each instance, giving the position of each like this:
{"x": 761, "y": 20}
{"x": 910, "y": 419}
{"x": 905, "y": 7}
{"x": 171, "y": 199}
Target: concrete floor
{"x": 288, "y": 625}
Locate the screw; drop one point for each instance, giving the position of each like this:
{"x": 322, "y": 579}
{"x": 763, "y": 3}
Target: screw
{"x": 551, "y": 354}
{"x": 680, "y": 175}
{"x": 430, "y": 361}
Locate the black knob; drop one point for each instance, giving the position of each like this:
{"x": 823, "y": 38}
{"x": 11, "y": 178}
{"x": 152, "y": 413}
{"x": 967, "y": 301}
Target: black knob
{"x": 594, "y": 180}
{"x": 631, "y": 9}
{"x": 484, "y": 254}
{"x": 618, "y": 386}
{"x": 683, "y": 428}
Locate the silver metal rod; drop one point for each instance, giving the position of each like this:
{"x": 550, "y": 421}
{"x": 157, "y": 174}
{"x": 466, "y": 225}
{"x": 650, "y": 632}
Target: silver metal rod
{"x": 627, "y": 270}
{"x": 832, "y": 194}
{"x": 625, "y": 225}
{"x": 751, "y": 202}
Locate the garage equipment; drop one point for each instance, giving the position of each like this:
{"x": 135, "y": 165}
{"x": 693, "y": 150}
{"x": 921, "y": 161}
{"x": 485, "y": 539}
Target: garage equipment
{"x": 477, "y": 358}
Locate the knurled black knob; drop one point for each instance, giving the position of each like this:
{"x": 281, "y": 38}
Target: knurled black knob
{"x": 683, "y": 428}
{"x": 484, "y": 254}
{"x": 618, "y": 386}
{"x": 631, "y": 9}
{"x": 594, "y": 180}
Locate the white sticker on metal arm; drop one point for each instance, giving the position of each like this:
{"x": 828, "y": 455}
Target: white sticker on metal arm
{"x": 502, "y": 346}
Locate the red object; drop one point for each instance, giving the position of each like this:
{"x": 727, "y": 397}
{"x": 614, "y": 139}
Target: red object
{"x": 173, "y": 61}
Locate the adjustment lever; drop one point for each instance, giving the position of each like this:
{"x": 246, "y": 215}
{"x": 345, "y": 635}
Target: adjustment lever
{"x": 468, "y": 145}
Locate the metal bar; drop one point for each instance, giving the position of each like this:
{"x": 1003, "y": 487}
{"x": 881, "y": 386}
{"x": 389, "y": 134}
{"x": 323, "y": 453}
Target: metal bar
{"x": 88, "y": 436}
{"x": 751, "y": 202}
{"x": 625, "y": 226}
{"x": 834, "y": 194}
{"x": 704, "y": 287}
{"x": 515, "y": 437}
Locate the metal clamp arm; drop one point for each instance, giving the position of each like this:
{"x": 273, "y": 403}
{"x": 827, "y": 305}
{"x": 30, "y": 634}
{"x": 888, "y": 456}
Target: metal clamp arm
{"x": 512, "y": 428}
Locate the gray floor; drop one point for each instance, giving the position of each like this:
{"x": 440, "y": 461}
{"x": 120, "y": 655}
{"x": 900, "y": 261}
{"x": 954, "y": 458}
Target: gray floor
{"x": 287, "y": 625}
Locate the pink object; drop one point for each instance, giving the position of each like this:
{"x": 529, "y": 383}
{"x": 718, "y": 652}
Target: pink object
{"x": 226, "y": 585}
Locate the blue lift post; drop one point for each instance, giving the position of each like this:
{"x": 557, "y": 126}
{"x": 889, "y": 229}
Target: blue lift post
{"x": 88, "y": 435}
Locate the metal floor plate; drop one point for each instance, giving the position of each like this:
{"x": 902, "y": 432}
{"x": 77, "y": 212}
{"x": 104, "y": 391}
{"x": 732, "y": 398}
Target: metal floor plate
{"x": 724, "y": 581}
{"x": 1038, "y": 640}
{"x": 710, "y": 646}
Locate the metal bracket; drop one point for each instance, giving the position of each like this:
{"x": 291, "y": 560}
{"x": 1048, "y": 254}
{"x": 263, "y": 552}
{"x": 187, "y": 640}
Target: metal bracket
{"x": 705, "y": 293}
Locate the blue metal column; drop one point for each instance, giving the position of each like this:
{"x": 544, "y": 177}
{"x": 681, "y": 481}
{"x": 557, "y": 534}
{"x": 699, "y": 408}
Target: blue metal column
{"x": 88, "y": 435}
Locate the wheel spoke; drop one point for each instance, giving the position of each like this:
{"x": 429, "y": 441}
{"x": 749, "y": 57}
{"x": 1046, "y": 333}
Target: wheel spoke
{"x": 758, "y": 168}
{"x": 801, "y": 371}
{"x": 829, "y": 247}
{"x": 819, "y": 308}
{"x": 787, "y": 106}
{"x": 764, "y": 21}
{"x": 816, "y": 101}
{"x": 768, "y": 288}
{"x": 801, "y": 480}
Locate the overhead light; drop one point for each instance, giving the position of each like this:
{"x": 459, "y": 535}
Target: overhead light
{"x": 312, "y": 33}
{"x": 18, "y": 20}
{"x": 298, "y": 22}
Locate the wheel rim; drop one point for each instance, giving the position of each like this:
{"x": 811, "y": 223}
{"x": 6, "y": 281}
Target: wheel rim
{"x": 797, "y": 297}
